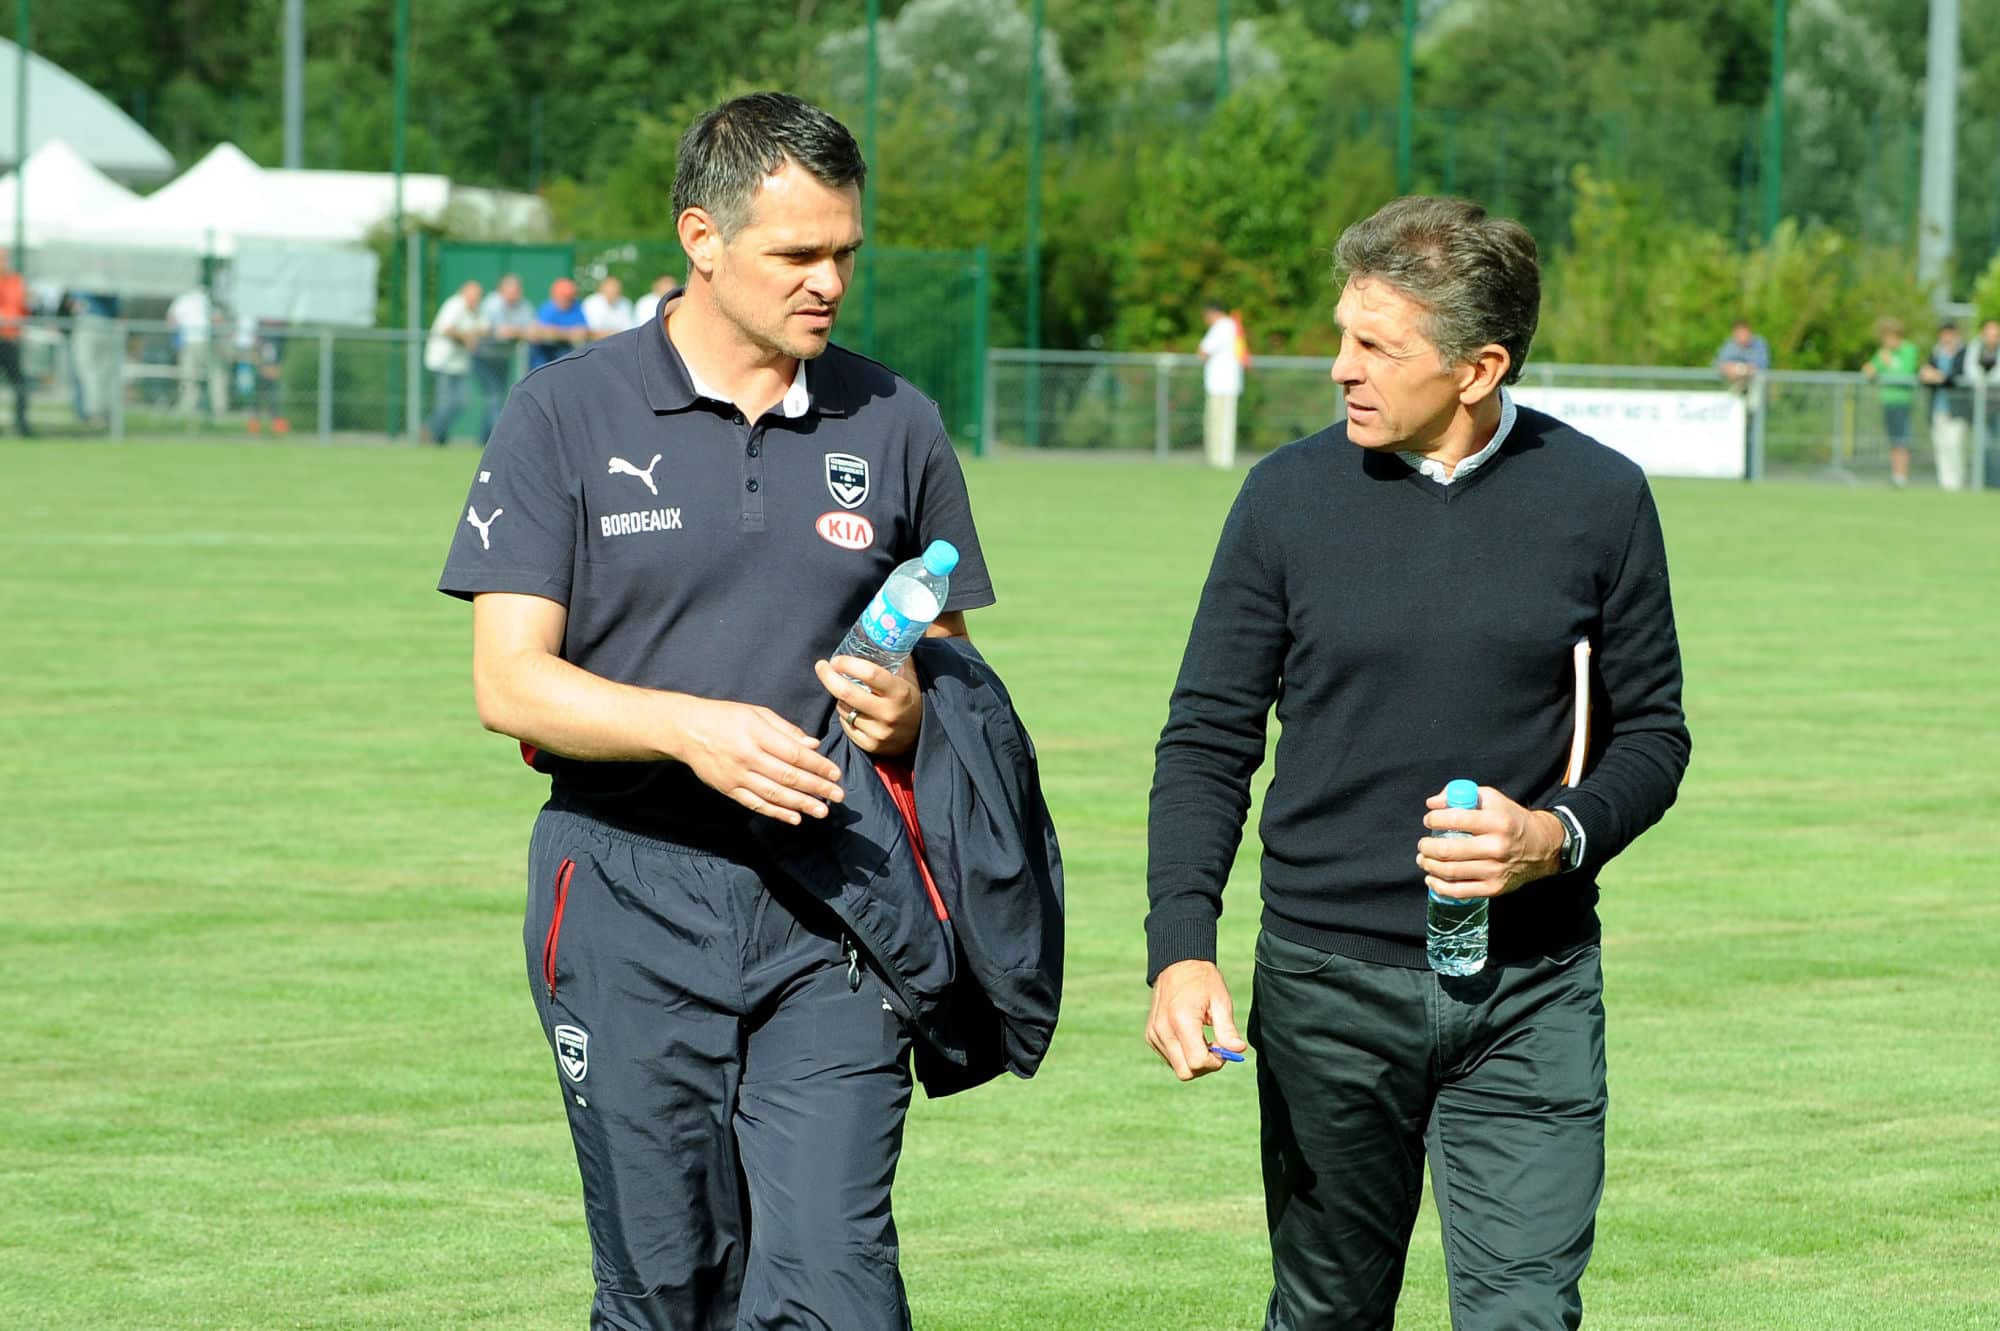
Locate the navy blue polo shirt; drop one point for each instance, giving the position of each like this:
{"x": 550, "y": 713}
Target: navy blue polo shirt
{"x": 699, "y": 552}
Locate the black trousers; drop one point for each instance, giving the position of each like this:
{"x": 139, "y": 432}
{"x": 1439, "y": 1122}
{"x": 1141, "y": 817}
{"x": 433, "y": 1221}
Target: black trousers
{"x": 1365, "y": 1071}
{"x": 735, "y": 1080}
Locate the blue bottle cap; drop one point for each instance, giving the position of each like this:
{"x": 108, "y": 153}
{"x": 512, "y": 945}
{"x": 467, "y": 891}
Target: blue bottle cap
{"x": 941, "y": 558}
{"x": 1461, "y": 794}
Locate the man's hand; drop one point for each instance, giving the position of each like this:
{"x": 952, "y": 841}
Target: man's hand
{"x": 1509, "y": 846}
{"x": 1930, "y": 374}
{"x": 1187, "y": 996}
{"x": 757, "y": 758}
{"x": 883, "y": 713}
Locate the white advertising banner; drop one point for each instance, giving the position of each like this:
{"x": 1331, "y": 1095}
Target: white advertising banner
{"x": 1667, "y": 433}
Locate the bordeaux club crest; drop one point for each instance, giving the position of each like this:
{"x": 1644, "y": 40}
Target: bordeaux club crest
{"x": 847, "y": 479}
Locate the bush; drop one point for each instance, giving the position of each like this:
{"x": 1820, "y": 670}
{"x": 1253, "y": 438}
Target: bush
{"x": 1632, "y": 289}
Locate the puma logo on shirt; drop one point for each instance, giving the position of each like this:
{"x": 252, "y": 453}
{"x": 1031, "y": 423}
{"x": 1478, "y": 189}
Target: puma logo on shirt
{"x": 620, "y": 467}
{"x": 485, "y": 527}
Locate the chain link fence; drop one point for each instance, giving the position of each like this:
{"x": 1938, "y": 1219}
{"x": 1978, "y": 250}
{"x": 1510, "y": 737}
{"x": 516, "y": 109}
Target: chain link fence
{"x": 116, "y": 378}
{"x": 1798, "y": 424}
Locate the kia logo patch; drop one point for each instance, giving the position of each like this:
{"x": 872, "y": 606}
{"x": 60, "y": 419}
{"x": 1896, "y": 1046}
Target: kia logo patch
{"x": 849, "y": 531}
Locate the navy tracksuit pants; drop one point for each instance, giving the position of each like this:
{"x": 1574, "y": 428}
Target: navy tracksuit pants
{"x": 735, "y": 1079}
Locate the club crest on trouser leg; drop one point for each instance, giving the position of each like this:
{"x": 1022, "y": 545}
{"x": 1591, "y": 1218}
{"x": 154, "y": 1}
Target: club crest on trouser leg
{"x": 847, "y": 479}
{"x": 573, "y": 1051}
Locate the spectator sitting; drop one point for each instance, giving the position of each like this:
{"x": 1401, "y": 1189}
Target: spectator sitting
{"x": 560, "y": 326}
{"x": 606, "y": 311}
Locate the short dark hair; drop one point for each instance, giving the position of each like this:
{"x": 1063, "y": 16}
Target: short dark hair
{"x": 728, "y": 153}
{"x": 1477, "y": 277}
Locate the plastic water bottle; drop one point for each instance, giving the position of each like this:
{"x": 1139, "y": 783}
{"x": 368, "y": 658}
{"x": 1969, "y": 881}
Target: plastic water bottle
{"x": 1455, "y": 927}
{"x": 910, "y": 599}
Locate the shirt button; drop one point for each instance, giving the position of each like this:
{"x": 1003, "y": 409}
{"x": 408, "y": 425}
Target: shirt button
{"x": 754, "y": 450}
{"x": 751, "y": 485}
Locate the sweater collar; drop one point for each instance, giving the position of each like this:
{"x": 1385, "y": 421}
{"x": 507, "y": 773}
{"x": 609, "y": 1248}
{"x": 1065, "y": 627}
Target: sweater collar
{"x": 1432, "y": 468}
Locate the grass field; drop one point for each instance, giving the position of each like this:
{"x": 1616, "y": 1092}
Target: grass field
{"x": 267, "y": 1058}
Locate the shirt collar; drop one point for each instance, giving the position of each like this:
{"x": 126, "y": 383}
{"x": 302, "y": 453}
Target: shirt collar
{"x": 1435, "y": 470}
{"x": 792, "y": 406}
{"x": 672, "y": 384}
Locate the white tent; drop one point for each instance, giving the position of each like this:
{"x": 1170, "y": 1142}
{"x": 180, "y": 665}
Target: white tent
{"x": 60, "y": 105}
{"x": 360, "y": 200}
{"x": 64, "y": 192}
{"x": 220, "y": 200}
{"x": 367, "y": 199}
{"x": 290, "y": 259}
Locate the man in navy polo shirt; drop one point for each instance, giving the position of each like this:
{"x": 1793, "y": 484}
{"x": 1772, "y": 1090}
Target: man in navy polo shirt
{"x": 665, "y": 532}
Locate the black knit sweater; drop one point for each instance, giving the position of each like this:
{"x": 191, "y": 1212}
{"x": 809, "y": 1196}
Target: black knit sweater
{"x": 1408, "y": 633}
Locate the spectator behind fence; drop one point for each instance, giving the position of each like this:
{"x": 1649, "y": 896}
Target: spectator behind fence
{"x": 192, "y": 318}
{"x": 13, "y": 309}
{"x": 1983, "y": 368}
{"x": 647, "y": 307}
{"x": 1223, "y": 358}
{"x": 455, "y": 335}
{"x": 560, "y": 327}
{"x": 506, "y": 320}
{"x": 268, "y": 357}
{"x": 94, "y": 353}
{"x": 1894, "y": 367}
{"x": 1742, "y": 357}
{"x": 1951, "y": 405}
{"x": 606, "y": 311}
{"x": 243, "y": 366}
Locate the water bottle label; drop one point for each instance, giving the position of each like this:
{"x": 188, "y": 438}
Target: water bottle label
{"x": 889, "y": 631}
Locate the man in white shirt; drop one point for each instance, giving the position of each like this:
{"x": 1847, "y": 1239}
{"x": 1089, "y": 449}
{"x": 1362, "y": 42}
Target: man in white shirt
{"x": 1222, "y": 376}
{"x": 455, "y": 332}
{"x": 647, "y": 307}
{"x": 606, "y": 310}
{"x": 191, "y": 316}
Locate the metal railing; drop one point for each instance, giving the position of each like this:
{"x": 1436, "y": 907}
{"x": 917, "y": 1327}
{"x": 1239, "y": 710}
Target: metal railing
{"x": 116, "y": 378}
{"x": 1798, "y": 422}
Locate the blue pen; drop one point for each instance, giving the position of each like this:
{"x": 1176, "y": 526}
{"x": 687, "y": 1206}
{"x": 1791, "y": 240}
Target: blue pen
{"x": 1225, "y": 1055}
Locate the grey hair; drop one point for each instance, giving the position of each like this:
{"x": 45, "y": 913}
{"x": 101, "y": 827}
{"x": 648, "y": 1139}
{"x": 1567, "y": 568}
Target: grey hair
{"x": 726, "y": 155}
{"x": 1477, "y": 277}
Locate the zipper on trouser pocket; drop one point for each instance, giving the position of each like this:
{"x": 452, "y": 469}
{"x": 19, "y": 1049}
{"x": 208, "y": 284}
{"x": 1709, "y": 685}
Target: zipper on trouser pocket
{"x": 563, "y": 875}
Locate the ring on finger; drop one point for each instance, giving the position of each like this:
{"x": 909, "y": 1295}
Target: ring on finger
{"x": 853, "y": 717}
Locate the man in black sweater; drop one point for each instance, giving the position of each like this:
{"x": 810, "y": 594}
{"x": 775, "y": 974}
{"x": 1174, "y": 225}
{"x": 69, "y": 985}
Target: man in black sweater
{"x": 1407, "y": 587}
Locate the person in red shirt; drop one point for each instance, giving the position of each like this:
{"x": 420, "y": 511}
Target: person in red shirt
{"x": 13, "y": 309}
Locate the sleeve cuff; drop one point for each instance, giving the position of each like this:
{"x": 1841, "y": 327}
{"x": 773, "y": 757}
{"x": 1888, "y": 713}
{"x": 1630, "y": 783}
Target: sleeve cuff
{"x": 1179, "y": 937}
{"x": 1594, "y": 819}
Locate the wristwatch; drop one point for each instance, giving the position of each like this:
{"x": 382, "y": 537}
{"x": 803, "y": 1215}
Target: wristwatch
{"x": 1572, "y": 846}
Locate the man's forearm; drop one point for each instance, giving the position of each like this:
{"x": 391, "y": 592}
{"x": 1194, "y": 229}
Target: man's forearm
{"x": 545, "y": 701}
